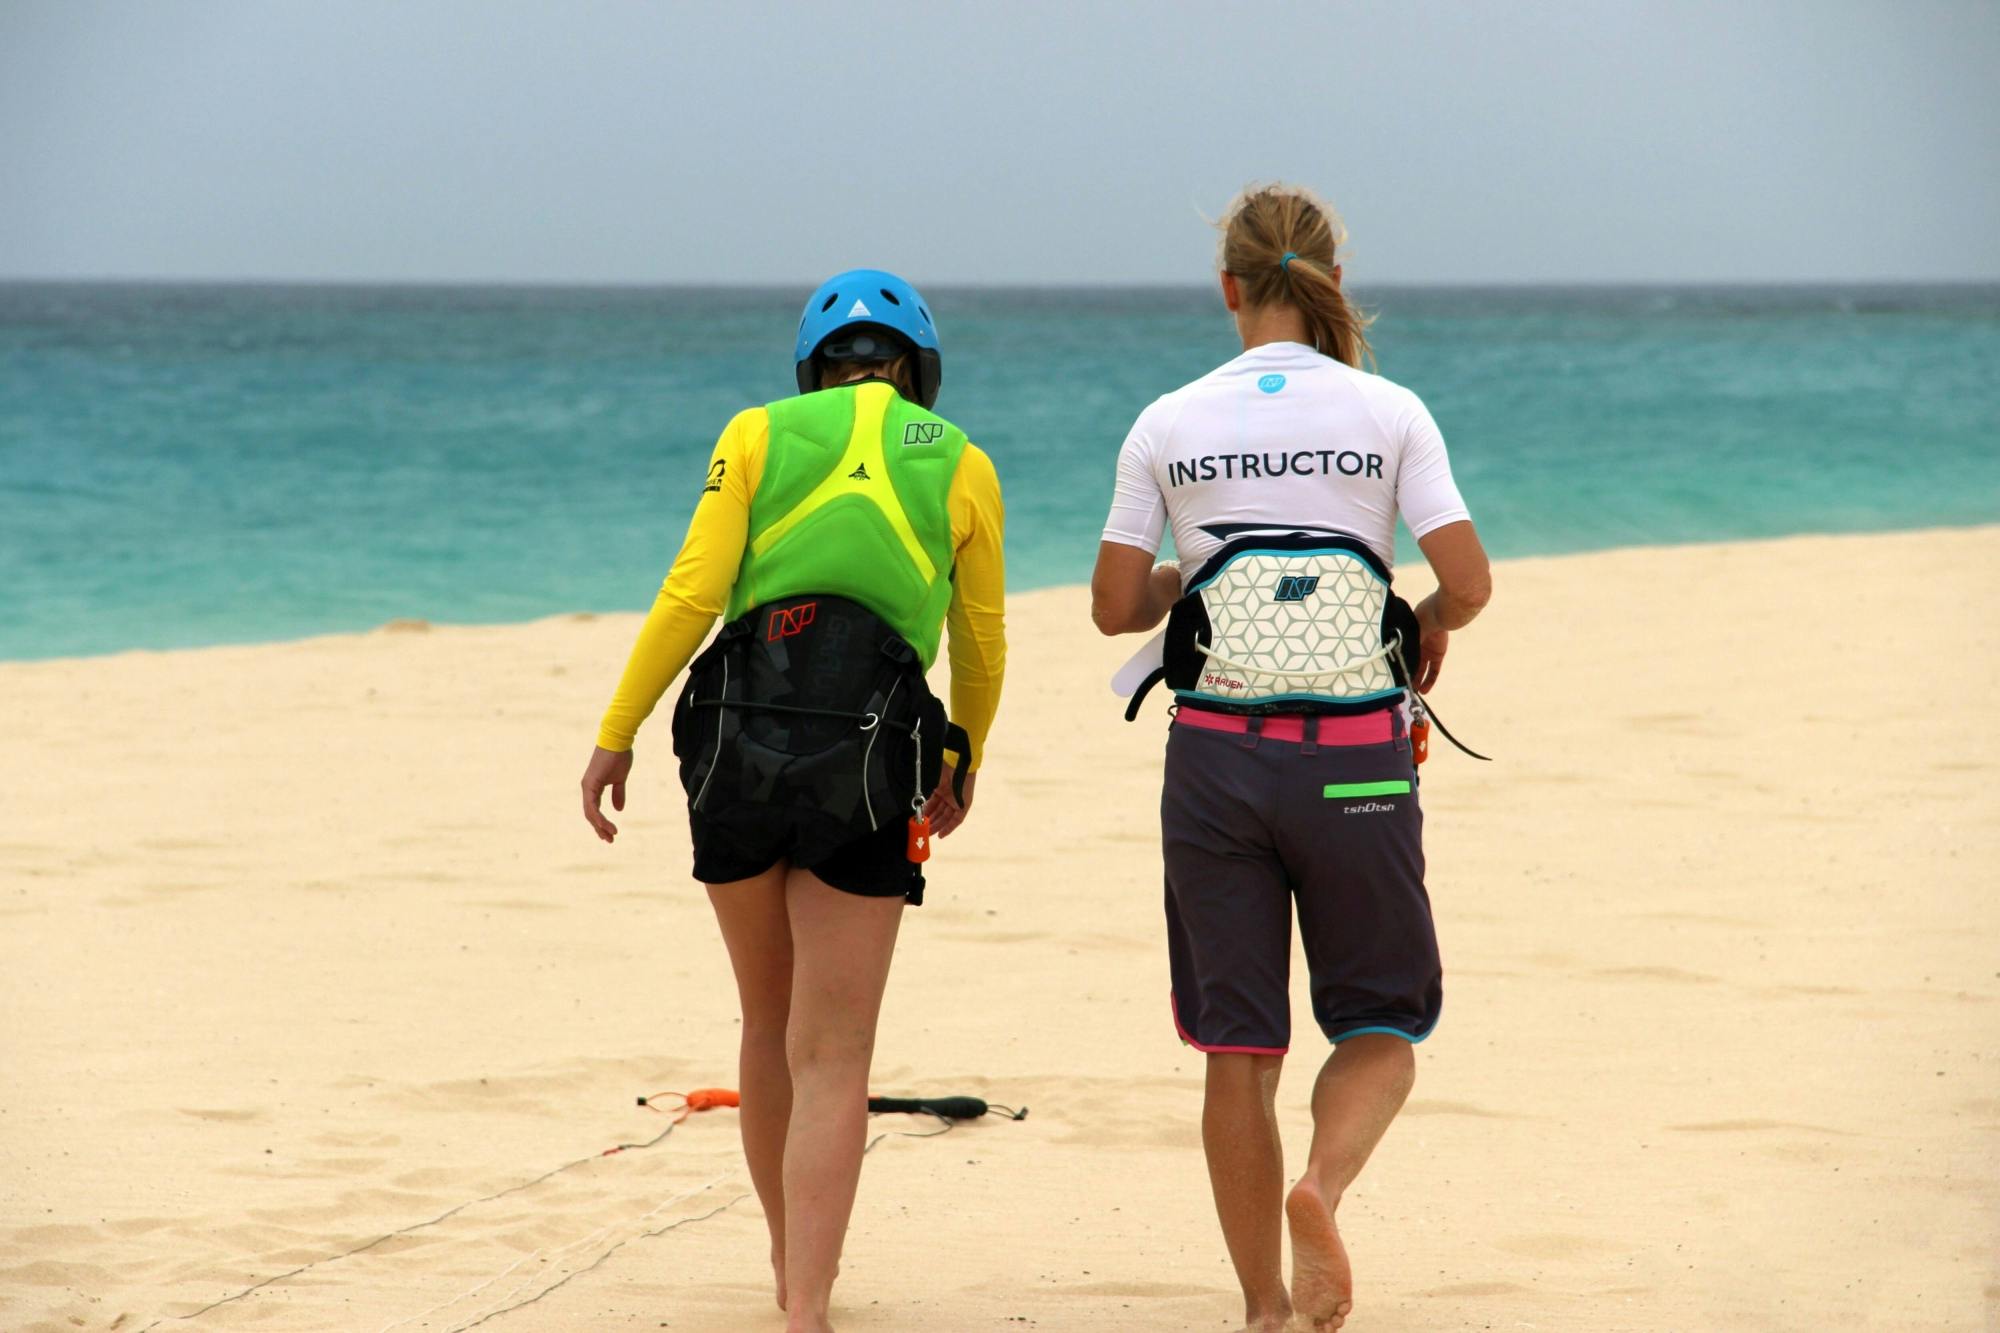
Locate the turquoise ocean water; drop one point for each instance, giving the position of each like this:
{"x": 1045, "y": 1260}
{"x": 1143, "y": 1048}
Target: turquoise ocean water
{"x": 195, "y": 465}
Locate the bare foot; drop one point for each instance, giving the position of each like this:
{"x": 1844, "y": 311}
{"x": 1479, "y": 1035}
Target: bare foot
{"x": 804, "y": 1323}
{"x": 1322, "y": 1285}
{"x": 1273, "y": 1316}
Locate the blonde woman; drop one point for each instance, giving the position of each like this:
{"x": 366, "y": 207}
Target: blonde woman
{"x": 838, "y": 533}
{"x": 1289, "y": 773}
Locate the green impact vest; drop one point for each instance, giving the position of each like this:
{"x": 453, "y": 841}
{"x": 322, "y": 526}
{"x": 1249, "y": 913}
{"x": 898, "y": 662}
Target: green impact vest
{"x": 854, "y": 503}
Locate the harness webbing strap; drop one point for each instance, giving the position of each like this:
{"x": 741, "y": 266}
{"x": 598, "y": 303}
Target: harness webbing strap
{"x": 757, "y": 706}
{"x": 1445, "y": 731}
{"x": 1430, "y": 711}
{"x": 1153, "y": 677}
{"x": 955, "y": 735}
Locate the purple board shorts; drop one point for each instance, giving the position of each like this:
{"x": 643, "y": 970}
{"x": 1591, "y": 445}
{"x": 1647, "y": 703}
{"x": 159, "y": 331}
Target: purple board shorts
{"x": 1249, "y": 824}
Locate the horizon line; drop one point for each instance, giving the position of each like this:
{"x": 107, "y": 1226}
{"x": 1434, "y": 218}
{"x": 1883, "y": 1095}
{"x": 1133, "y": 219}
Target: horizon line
{"x": 1402, "y": 284}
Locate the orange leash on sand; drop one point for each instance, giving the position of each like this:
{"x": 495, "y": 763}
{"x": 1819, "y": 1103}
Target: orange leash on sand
{"x": 701, "y": 1099}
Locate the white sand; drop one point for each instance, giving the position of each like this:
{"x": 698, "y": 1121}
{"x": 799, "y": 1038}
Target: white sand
{"x": 303, "y": 943}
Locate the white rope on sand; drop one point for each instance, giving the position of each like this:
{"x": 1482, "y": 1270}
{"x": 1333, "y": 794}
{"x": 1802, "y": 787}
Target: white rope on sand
{"x": 507, "y": 1302}
{"x": 503, "y": 1308}
{"x": 255, "y": 1287}
{"x": 598, "y": 1262}
{"x": 464, "y": 1295}
{"x": 548, "y": 1256}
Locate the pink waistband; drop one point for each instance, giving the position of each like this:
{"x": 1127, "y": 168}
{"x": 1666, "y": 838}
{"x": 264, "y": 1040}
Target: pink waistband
{"x": 1367, "y": 729}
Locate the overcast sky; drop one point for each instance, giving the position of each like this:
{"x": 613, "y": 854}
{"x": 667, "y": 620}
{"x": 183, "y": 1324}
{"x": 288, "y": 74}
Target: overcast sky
{"x": 467, "y": 140}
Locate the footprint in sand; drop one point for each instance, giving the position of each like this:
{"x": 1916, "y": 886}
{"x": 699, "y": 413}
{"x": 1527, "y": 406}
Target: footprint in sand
{"x": 428, "y": 1178}
{"x": 365, "y": 1139}
{"x": 415, "y": 876}
{"x": 1755, "y": 1126}
{"x": 1552, "y": 1245}
{"x": 1680, "y": 722}
{"x": 1000, "y": 936}
{"x": 1456, "y": 1108}
{"x": 1657, "y": 974}
{"x": 1702, "y": 919}
{"x": 47, "y": 1273}
{"x": 1476, "y": 1289}
{"x": 1137, "y": 1131}
{"x": 1153, "y": 1290}
{"x": 342, "y": 1167}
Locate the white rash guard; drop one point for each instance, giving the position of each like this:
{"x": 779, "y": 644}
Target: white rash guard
{"x": 1281, "y": 438}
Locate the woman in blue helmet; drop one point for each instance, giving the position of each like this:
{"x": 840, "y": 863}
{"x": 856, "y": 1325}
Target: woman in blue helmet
{"x": 837, "y": 533}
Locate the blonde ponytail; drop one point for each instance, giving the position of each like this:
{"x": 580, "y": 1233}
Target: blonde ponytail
{"x": 1279, "y": 242}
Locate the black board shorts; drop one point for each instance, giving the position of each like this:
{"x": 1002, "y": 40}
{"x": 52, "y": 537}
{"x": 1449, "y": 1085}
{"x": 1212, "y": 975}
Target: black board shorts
{"x": 1251, "y": 825}
{"x": 874, "y": 865}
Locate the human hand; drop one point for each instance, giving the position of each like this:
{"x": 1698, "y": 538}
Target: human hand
{"x": 942, "y": 809}
{"x": 607, "y": 768}
{"x": 1433, "y": 641}
{"x": 1431, "y": 647}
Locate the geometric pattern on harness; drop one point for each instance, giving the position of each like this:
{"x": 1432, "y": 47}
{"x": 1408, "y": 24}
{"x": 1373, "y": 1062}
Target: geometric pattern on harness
{"x": 1288, "y": 643}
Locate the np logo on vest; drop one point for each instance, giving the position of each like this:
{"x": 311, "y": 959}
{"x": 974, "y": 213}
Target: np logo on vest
{"x": 788, "y": 621}
{"x": 1296, "y": 587}
{"x": 1271, "y": 383}
{"x": 923, "y": 432}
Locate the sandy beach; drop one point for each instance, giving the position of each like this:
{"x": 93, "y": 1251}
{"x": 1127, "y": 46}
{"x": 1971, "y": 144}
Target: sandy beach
{"x": 305, "y": 944}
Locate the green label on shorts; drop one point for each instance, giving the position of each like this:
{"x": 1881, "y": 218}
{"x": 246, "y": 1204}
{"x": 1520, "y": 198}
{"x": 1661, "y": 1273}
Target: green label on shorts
{"x": 1341, "y": 790}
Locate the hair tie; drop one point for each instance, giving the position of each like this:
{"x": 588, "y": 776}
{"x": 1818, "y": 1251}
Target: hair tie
{"x": 1286, "y": 262}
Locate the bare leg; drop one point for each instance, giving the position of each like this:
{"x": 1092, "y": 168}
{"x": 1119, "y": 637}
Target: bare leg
{"x": 1357, "y": 1094}
{"x": 841, "y": 949}
{"x": 1246, "y": 1171}
{"x": 758, "y": 931}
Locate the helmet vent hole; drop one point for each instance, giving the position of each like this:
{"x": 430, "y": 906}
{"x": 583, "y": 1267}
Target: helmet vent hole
{"x": 926, "y": 314}
{"x": 890, "y": 297}
{"x": 827, "y": 304}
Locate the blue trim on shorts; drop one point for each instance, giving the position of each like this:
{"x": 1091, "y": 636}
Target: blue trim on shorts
{"x": 1392, "y": 1032}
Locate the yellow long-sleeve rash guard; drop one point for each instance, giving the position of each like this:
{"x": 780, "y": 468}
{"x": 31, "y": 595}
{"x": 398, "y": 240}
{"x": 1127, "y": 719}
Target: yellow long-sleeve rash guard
{"x": 697, "y": 587}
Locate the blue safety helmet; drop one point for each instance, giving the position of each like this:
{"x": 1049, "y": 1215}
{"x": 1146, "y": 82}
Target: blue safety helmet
{"x": 865, "y": 314}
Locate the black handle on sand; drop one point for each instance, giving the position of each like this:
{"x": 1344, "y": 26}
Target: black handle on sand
{"x": 951, "y": 1108}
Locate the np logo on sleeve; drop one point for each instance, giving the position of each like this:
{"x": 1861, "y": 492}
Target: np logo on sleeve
{"x": 1296, "y": 587}
{"x": 1271, "y": 383}
{"x": 923, "y": 432}
{"x": 715, "y": 471}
